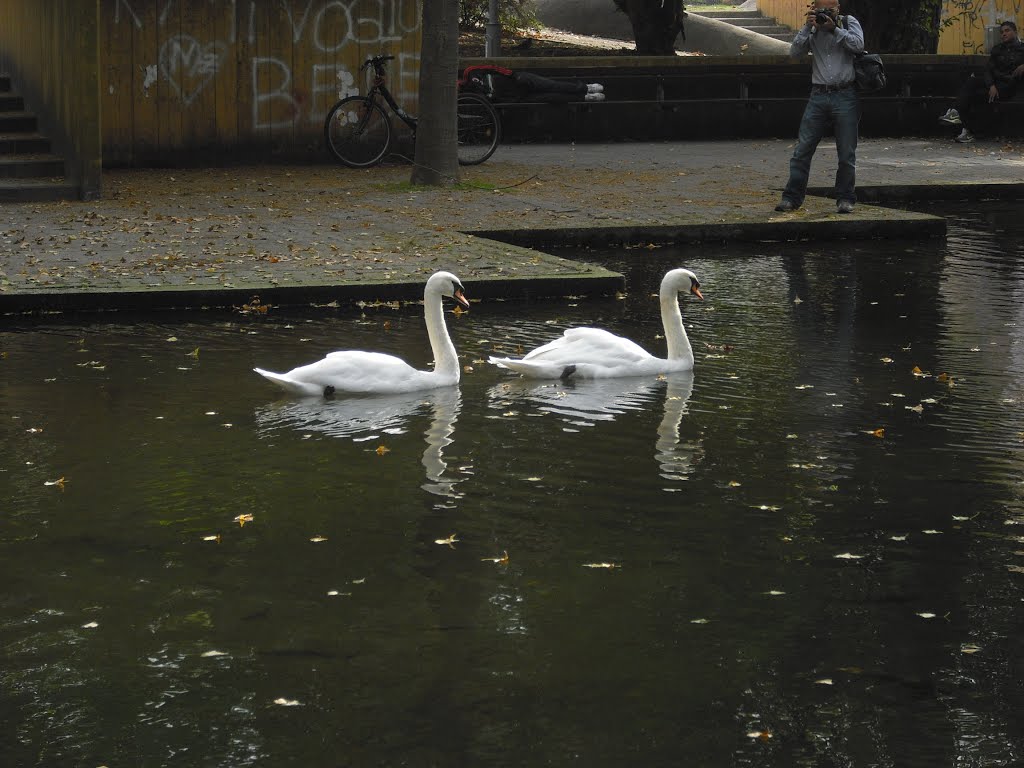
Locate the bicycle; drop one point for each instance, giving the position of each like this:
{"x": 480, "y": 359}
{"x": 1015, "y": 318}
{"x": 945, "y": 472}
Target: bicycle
{"x": 358, "y": 130}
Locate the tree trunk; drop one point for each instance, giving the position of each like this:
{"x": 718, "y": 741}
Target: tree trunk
{"x": 656, "y": 24}
{"x": 437, "y": 162}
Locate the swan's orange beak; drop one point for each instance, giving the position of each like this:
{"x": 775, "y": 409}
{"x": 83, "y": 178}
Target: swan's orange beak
{"x": 461, "y": 299}
{"x": 696, "y": 292}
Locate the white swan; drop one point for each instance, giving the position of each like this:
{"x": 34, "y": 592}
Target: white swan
{"x": 593, "y": 353}
{"x": 356, "y": 372}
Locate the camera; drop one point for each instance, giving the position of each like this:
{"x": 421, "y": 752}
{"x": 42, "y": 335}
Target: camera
{"x": 823, "y": 16}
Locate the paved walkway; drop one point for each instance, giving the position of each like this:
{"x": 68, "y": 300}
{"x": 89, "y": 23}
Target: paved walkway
{"x": 296, "y": 234}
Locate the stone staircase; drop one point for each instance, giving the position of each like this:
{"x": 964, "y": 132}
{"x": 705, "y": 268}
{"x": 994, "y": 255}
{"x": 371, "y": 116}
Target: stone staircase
{"x": 750, "y": 20}
{"x": 29, "y": 171}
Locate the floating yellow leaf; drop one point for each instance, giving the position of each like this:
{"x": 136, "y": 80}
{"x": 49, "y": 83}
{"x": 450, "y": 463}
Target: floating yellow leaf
{"x": 283, "y": 702}
{"x": 502, "y": 560}
{"x": 450, "y": 541}
{"x": 915, "y": 408}
{"x": 172, "y": 338}
{"x": 880, "y": 432}
{"x": 760, "y": 735}
{"x": 969, "y": 648}
{"x": 734, "y": 484}
{"x": 824, "y": 681}
{"x": 848, "y": 556}
{"x": 918, "y": 372}
{"x": 601, "y": 565}
{"x": 926, "y": 615}
{"x": 194, "y": 353}
{"x": 943, "y": 377}
{"x": 318, "y": 539}
{"x": 244, "y": 518}
{"x": 215, "y": 538}
{"x": 212, "y": 654}
{"x": 59, "y": 482}
{"x": 90, "y": 625}
{"x": 381, "y": 450}
{"x": 887, "y": 360}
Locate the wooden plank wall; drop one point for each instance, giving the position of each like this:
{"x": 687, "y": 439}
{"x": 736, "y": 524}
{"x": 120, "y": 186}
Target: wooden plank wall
{"x": 963, "y": 34}
{"x": 192, "y": 81}
{"x": 51, "y": 49}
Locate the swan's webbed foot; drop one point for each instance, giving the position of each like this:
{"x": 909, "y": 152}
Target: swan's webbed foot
{"x": 568, "y": 371}
{"x": 328, "y": 392}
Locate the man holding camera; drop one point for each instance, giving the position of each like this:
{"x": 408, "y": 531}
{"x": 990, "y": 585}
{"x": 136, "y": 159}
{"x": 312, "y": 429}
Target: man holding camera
{"x": 834, "y": 42}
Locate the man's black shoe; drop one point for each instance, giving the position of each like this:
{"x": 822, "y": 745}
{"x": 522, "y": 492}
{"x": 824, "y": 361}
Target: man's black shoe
{"x": 785, "y": 206}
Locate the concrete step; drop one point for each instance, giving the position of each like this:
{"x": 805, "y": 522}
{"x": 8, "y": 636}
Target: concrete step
{"x": 24, "y": 142}
{"x": 31, "y": 166}
{"x": 36, "y": 190}
{"x": 752, "y": 21}
{"x": 725, "y": 14}
{"x": 17, "y": 121}
{"x": 11, "y": 102}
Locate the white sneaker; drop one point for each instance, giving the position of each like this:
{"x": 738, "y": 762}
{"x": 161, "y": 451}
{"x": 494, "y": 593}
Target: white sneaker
{"x": 594, "y": 97}
{"x": 965, "y": 137}
{"x": 952, "y": 117}
{"x": 595, "y": 88}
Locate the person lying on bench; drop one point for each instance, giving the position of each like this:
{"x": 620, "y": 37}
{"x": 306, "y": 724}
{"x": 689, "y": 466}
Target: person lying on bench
{"x": 502, "y": 84}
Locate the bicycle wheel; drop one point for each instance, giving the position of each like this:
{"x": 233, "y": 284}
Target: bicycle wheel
{"x": 358, "y": 132}
{"x": 479, "y": 129}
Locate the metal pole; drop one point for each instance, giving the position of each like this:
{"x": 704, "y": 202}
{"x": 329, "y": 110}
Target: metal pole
{"x": 492, "y": 41}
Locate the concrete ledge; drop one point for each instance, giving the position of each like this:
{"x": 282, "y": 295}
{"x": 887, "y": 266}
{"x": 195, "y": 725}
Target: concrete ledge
{"x": 903, "y": 226}
{"x": 901, "y": 193}
{"x": 595, "y": 283}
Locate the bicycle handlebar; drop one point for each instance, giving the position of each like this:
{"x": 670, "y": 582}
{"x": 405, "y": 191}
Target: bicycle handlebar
{"x": 377, "y": 62}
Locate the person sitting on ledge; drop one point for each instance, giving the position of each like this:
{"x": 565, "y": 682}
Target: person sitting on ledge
{"x": 503, "y": 84}
{"x": 1003, "y": 74}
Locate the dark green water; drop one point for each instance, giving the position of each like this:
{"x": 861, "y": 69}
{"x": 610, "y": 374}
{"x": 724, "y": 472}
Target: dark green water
{"x": 790, "y": 589}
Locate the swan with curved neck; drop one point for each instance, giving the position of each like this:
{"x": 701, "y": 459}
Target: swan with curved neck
{"x": 356, "y": 372}
{"x": 593, "y": 353}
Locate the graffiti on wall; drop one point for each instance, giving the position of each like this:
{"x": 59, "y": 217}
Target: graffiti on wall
{"x": 970, "y": 18}
{"x": 282, "y": 91}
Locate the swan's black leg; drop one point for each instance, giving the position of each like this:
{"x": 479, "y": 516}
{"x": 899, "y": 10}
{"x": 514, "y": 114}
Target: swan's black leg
{"x": 568, "y": 371}
{"x": 328, "y": 392}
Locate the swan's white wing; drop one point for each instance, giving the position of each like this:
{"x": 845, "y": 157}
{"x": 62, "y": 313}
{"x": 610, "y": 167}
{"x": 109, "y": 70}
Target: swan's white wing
{"x": 593, "y": 346}
{"x": 352, "y": 371}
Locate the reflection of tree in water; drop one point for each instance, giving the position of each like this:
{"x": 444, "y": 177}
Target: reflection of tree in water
{"x": 367, "y": 418}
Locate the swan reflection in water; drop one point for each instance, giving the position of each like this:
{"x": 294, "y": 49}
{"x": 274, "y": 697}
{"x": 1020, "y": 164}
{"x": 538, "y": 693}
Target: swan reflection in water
{"x": 366, "y": 418}
{"x": 583, "y": 403}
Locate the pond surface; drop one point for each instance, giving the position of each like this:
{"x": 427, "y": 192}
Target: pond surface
{"x": 817, "y": 538}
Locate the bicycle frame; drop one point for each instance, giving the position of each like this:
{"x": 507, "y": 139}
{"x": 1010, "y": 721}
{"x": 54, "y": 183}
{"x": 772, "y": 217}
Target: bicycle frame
{"x": 380, "y": 88}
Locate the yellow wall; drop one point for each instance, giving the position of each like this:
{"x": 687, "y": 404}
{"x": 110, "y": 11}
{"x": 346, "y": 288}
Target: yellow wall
{"x": 965, "y": 34}
{"x": 181, "y": 78}
{"x": 51, "y": 51}
{"x": 969, "y": 18}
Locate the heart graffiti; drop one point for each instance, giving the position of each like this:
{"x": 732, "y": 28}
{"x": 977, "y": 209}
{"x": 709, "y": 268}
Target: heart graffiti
{"x": 189, "y": 65}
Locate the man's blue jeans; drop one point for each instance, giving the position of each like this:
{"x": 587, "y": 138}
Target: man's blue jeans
{"x": 842, "y": 110}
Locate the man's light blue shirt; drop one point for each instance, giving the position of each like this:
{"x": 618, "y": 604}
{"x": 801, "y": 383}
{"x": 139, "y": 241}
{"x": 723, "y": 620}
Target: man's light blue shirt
{"x": 833, "y": 52}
